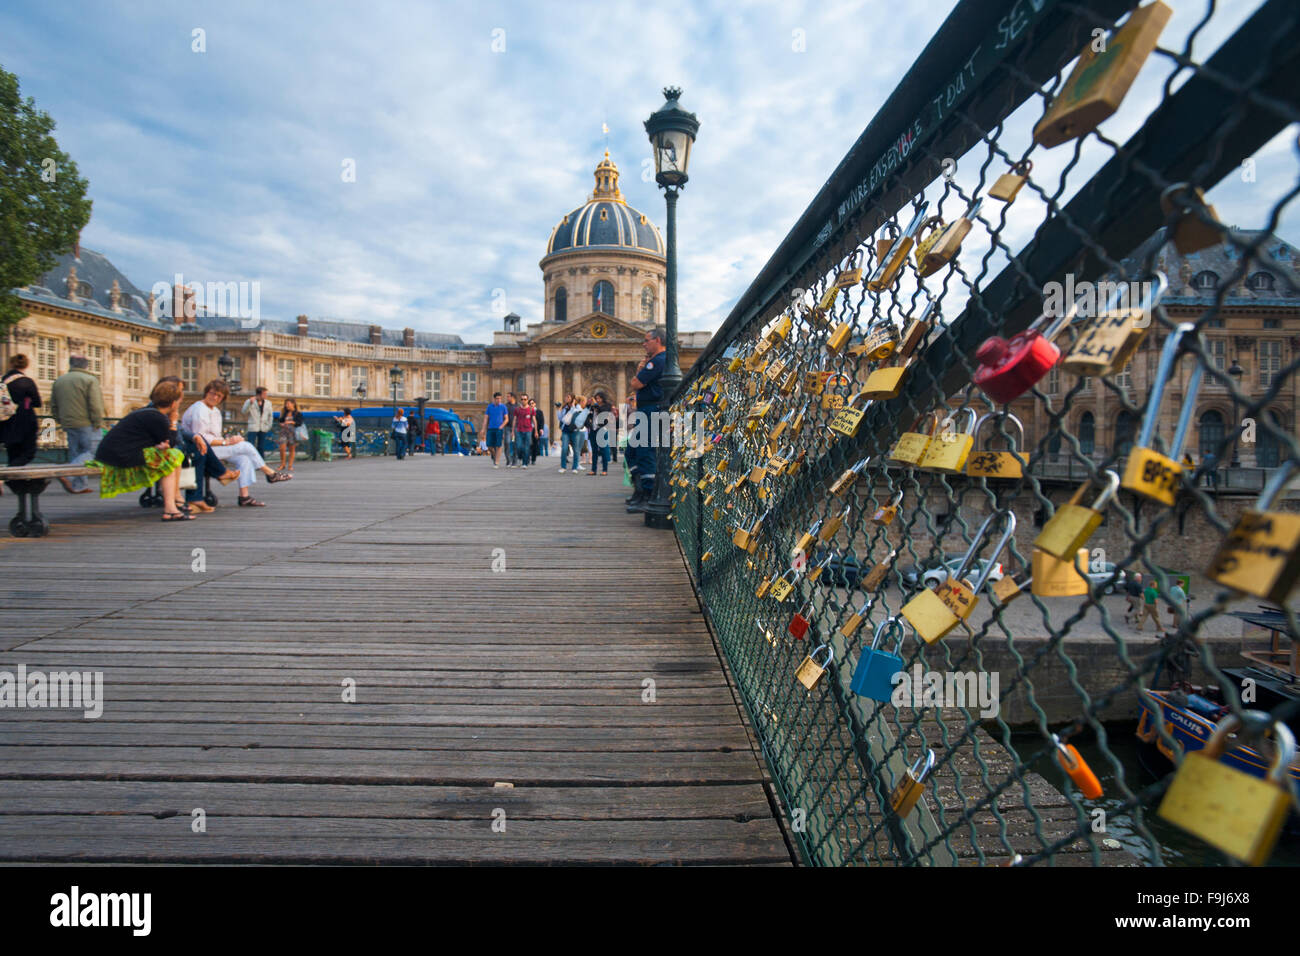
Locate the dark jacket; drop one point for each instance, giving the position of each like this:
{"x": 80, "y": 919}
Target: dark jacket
{"x": 20, "y": 429}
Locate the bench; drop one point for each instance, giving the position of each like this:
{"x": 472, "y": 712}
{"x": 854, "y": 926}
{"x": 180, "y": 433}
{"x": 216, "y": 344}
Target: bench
{"x": 28, "y": 481}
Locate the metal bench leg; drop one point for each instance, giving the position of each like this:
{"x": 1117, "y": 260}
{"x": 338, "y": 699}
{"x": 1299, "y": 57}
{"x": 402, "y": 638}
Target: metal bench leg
{"x": 18, "y": 523}
{"x": 37, "y": 525}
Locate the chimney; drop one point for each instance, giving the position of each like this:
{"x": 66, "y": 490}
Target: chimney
{"x": 376, "y": 335}
{"x": 302, "y": 325}
{"x": 183, "y": 306}
{"x": 115, "y": 297}
{"x": 408, "y": 338}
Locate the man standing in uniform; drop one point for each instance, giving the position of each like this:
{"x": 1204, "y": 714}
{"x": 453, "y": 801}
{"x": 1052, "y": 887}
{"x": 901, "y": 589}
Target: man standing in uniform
{"x": 493, "y": 420}
{"x": 77, "y": 404}
{"x": 641, "y": 457}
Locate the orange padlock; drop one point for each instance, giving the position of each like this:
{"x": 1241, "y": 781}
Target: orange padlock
{"x": 1072, "y": 763}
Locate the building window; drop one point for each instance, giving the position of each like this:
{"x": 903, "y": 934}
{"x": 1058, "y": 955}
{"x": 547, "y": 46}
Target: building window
{"x": 1218, "y": 351}
{"x": 237, "y": 370}
{"x": 1125, "y": 432}
{"x": 602, "y": 297}
{"x": 433, "y": 385}
{"x": 321, "y": 379}
{"x": 1212, "y": 430}
{"x": 1214, "y": 323}
{"x": 1270, "y": 361}
{"x": 1053, "y": 381}
{"x": 1272, "y": 324}
{"x": 95, "y": 353}
{"x": 469, "y": 386}
{"x": 647, "y": 304}
{"x": 136, "y": 337}
{"x": 1260, "y": 282}
{"x": 1087, "y": 433}
{"x": 561, "y": 305}
{"x": 284, "y": 376}
{"x": 190, "y": 372}
{"x": 1124, "y": 378}
{"x": 47, "y": 358}
{"x": 134, "y": 368}
{"x": 1268, "y": 449}
{"x": 360, "y": 376}
{"x": 1206, "y": 280}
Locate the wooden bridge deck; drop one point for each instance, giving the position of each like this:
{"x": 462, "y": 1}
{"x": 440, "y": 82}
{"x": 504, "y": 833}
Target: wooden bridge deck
{"x": 476, "y": 691}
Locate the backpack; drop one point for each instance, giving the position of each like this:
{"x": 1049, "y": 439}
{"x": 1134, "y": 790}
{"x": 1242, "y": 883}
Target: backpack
{"x": 7, "y": 405}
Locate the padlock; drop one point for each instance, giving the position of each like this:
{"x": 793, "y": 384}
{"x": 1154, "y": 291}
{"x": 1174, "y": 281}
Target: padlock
{"x": 854, "y": 620}
{"x": 934, "y": 613}
{"x": 885, "y": 514}
{"x": 796, "y": 425}
{"x": 1008, "y": 369}
{"x": 832, "y": 525}
{"x": 885, "y": 383}
{"x": 846, "y": 481}
{"x": 759, "y": 410}
{"x": 735, "y": 359}
{"x": 1100, "y": 80}
{"x": 764, "y": 586}
{"x": 852, "y": 274}
{"x": 747, "y": 537}
{"x": 775, "y": 369}
{"x": 948, "y": 450}
{"x": 1077, "y": 768}
{"x": 925, "y": 240}
{"x": 784, "y": 585}
{"x": 1009, "y": 183}
{"x": 1232, "y": 811}
{"x": 782, "y": 328}
{"x": 1058, "y": 577}
{"x": 757, "y": 474}
{"x": 908, "y": 791}
{"x": 1192, "y": 231}
{"x": 723, "y": 403}
{"x": 880, "y": 343}
{"x": 816, "y": 572}
{"x": 916, "y": 330}
{"x": 1148, "y": 473}
{"x": 911, "y": 446}
{"x": 721, "y": 465}
{"x": 782, "y": 424}
{"x": 788, "y": 384}
{"x": 801, "y": 622}
{"x": 848, "y": 418}
{"x": 795, "y": 462}
{"x": 873, "y": 678}
{"x": 1072, "y": 525}
{"x": 838, "y": 337}
{"x": 1007, "y": 588}
{"x": 942, "y": 249}
{"x": 809, "y": 672}
{"x": 876, "y": 576}
{"x": 892, "y": 261}
{"x": 778, "y": 463}
{"x": 1111, "y": 337}
{"x": 706, "y": 556}
{"x": 1261, "y": 554}
{"x": 996, "y": 464}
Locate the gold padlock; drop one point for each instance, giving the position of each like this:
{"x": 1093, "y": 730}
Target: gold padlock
{"x": 809, "y": 672}
{"x": 1009, "y": 183}
{"x": 833, "y": 524}
{"x": 782, "y": 587}
{"x": 848, "y": 418}
{"x": 996, "y": 464}
{"x": 1006, "y": 588}
{"x": 778, "y": 463}
{"x": 781, "y": 425}
{"x": 796, "y": 426}
{"x": 757, "y": 474}
{"x": 934, "y": 613}
{"x": 782, "y": 329}
{"x": 885, "y": 513}
{"x": 891, "y": 263}
{"x": 881, "y": 341}
{"x": 735, "y": 358}
{"x": 940, "y": 250}
{"x": 916, "y": 330}
{"x": 1053, "y": 577}
{"x": 911, "y": 446}
{"x": 841, "y": 334}
{"x": 788, "y": 384}
{"x": 1109, "y": 339}
{"x": 816, "y": 572}
{"x": 876, "y": 576}
{"x": 1072, "y": 525}
{"x": 763, "y": 586}
{"x": 846, "y": 481}
{"x": 854, "y": 621}
{"x": 909, "y": 788}
{"x": 885, "y": 382}
{"x": 1228, "y": 808}
{"x": 1100, "y": 80}
{"x": 805, "y": 542}
{"x": 1261, "y": 554}
{"x": 851, "y": 275}
{"x": 1197, "y": 226}
{"x": 1149, "y": 473}
{"x": 747, "y": 537}
{"x": 948, "y": 450}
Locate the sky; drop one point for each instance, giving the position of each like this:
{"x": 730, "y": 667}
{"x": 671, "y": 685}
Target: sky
{"x": 473, "y": 129}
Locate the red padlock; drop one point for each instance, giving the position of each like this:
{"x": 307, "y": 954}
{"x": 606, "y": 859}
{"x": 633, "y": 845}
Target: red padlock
{"x": 1009, "y": 369}
{"x": 799, "y": 624}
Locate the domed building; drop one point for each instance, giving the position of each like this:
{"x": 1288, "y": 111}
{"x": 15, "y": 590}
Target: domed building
{"x": 603, "y": 274}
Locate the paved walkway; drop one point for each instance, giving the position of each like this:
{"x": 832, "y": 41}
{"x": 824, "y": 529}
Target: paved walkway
{"x": 498, "y": 716}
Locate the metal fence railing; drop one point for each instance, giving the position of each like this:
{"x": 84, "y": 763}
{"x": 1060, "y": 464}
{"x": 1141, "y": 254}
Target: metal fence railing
{"x": 827, "y": 469}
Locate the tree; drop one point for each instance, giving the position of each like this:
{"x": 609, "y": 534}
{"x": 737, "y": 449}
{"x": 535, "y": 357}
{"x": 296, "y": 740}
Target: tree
{"x": 43, "y": 204}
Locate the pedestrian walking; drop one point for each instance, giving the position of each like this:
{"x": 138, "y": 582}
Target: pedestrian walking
{"x": 599, "y": 434}
{"x": 572, "y": 429}
{"x": 524, "y": 419}
{"x": 77, "y": 404}
{"x": 347, "y": 431}
{"x": 508, "y": 430}
{"x": 494, "y": 418}
{"x": 1149, "y": 595}
{"x": 401, "y": 432}
{"x": 18, "y": 431}
{"x": 260, "y": 415}
{"x": 1133, "y": 596}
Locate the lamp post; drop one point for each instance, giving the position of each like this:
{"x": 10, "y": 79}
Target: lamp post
{"x": 395, "y": 376}
{"x": 225, "y": 366}
{"x": 672, "y": 133}
{"x": 361, "y": 395}
{"x": 1236, "y": 371}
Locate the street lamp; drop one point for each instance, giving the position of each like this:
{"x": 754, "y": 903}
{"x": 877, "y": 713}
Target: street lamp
{"x": 1236, "y": 371}
{"x": 361, "y": 394}
{"x": 672, "y": 133}
{"x": 395, "y": 376}
{"x": 225, "y": 366}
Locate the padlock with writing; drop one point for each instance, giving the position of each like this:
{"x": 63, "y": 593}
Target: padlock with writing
{"x": 801, "y": 622}
{"x": 789, "y": 383}
{"x": 1197, "y": 225}
{"x": 784, "y": 585}
{"x": 1072, "y": 525}
{"x": 873, "y": 678}
{"x": 997, "y": 464}
{"x": 1009, "y": 183}
{"x": 832, "y": 525}
{"x": 948, "y": 450}
{"x": 1009, "y": 368}
{"x": 941, "y": 249}
{"x": 764, "y": 586}
{"x": 778, "y": 463}
{"x": 849, "y": 478}
{"x": 1077, "y": 769}
{"x": 934, "y": 613}
{"x": 854, "y": 620}
{"x": 851, "y": 274}
{"x": 1110, "y": 338}
{"x": 782, "y": 328}
{"x": 911, "y": 446}
{"x": 1232, "y": 811}
{"x": 885, "y": 514}
{"x": 809, "y": 672}
{"x": 881, "y": 341}
{"x": 1148, "y": 473}
{"x": 1261, "y": 554}
{"x": 892, "y": 261}
{"x": 876, "y": 576}
{"x": 848, "y": 418}
{"x": 909, "y": 788}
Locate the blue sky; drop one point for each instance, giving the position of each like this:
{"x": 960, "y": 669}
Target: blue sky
{"x": 226, "y": 165}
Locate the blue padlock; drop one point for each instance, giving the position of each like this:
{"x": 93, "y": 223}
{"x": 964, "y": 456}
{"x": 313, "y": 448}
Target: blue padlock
{"x": 874, "y": 675}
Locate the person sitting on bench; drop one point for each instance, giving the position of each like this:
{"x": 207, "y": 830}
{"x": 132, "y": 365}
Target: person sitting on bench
{"x": 137, "y": 452}
{"x": 203, "y": 419}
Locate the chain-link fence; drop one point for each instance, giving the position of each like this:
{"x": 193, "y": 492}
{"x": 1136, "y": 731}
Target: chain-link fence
{"x": 874, "y": 482}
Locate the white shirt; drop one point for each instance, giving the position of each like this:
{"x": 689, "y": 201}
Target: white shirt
{"x": 201, "y": 419}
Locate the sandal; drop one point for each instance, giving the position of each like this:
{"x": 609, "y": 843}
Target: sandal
{"x": 278, "y": 476}
{"x": 251, "y": 502}
{"x": 177, "y": 516}
{"x": 228, "y": 477}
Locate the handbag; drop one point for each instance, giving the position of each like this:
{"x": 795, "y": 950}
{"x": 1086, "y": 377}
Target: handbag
{"x": 189, "y": 476}
{"x": 300, "y": 433}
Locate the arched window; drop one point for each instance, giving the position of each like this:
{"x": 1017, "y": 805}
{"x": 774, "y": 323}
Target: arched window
{"x": 1212, "y": 430}
{"x": 1125, "y": 432}
{"x": 561, "y": 305}
{"x": 1268, "y": 449}
{"x": 1087, "y": 433}
{"x": 1261, "y": 282}
{"x": 647, "y": 304}
{"x": 602, "y": 297}
{"x": 1205, "y": 280}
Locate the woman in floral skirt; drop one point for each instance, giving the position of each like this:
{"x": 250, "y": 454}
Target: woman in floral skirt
{"x": 137, "y": 452}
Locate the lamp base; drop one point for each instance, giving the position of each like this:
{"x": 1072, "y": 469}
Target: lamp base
{"x": 658, "y": 517}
